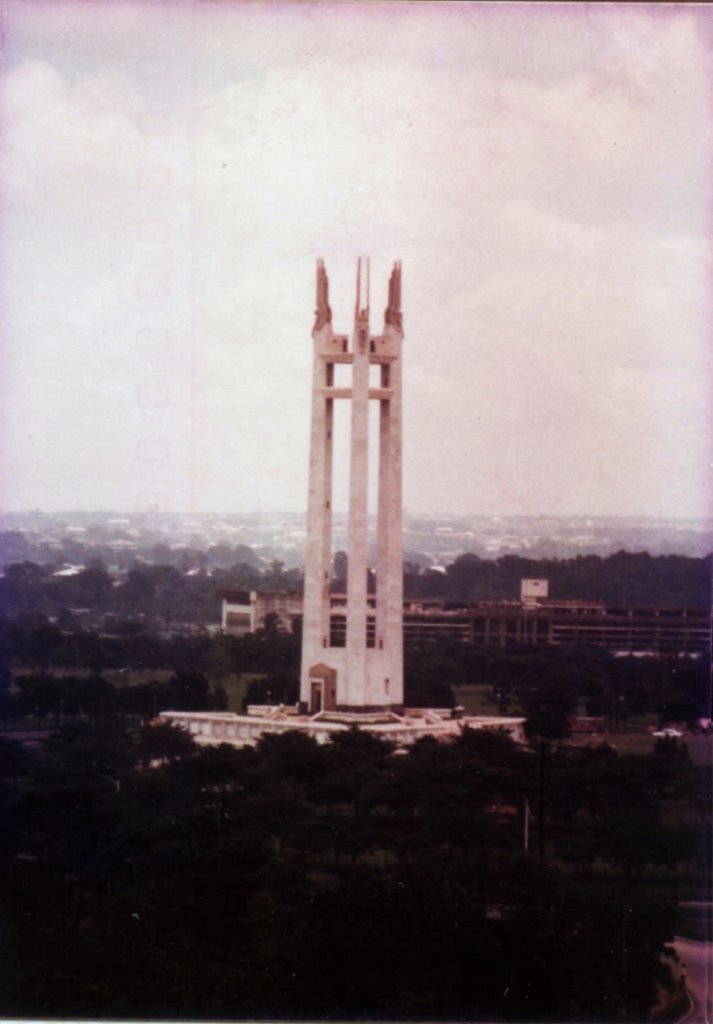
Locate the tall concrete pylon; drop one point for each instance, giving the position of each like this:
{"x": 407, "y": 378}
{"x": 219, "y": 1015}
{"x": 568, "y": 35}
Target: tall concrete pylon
{"x": 365, "y": 675}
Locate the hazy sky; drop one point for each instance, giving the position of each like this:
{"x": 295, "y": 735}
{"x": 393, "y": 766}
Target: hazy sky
{"x": 171, "y": 171}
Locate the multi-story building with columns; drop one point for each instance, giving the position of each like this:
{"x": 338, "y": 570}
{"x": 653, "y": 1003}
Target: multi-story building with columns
{"x": 542, "y": 622}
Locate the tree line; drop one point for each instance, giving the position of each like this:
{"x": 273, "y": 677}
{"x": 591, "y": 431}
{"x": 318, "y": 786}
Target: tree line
{"x": 37, "y": 697}
{"x": 160, "y": 595}
{"x": 551, "y": 684}
{"x": 546, "y": 685}
{"x": 145, "y": 878}
{"x": 624, "y": 578}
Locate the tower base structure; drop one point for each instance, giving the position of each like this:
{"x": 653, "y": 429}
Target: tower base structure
{"x": 211, "y": 728}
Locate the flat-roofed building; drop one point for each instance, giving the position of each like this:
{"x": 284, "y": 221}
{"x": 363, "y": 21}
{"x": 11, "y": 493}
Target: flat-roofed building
{"x": 246, "y": 611}
{"x": 548, "y": 622}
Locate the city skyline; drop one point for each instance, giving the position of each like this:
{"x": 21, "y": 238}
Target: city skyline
{"x": 172, "y": 172}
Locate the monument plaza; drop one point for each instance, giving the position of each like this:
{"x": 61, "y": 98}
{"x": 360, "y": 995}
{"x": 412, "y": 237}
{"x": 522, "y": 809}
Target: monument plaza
{"x": 355, "y": 677}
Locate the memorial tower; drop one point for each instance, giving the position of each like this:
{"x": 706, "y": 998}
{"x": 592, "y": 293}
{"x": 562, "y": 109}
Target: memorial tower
{"x": 362, "y": 674}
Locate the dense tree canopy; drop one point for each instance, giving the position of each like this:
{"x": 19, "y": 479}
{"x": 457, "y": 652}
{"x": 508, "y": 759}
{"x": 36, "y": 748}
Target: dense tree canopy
{"x": 625, "y": 578}
{"x": 293, "y": 880}
{"x": 144, "y": 877}
{"x": 547, "y": 685}
{"x": 163, "y": 592}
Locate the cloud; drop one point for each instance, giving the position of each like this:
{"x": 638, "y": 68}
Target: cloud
{"x": 544, "y": 179}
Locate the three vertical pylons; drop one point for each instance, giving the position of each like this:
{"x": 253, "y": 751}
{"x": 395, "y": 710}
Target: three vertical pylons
{"x": 363, "y": 673}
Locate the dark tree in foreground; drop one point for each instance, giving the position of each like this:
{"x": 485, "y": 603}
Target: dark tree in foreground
{"x": 162, "y": 743}
{"x": 336, "y": 882}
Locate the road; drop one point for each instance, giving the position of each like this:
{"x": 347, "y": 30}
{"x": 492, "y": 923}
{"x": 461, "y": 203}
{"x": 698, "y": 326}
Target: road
{"x": 697, "y": 962}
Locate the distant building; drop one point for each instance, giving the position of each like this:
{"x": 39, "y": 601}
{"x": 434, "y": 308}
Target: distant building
{"x": 534, "y": 621}
{"x": 532, "y": 591}
{"x": 246, "y": 611}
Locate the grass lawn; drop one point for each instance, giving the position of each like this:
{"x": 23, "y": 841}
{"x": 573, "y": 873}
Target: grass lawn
{"x": 623, "y": 742}
{"x": 700, "y": 748}
{"x": 136, "y": 676}
{"x": 236, "y": 686}
{"x": 115, "y": 676}
{"x": 56, "y": 673}
{"x": 474, "y": 699}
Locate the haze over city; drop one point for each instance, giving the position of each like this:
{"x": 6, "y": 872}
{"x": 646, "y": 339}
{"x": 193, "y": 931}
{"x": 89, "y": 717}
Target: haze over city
{"x": 280, "y": 738}
{"x": 172, "y": 171}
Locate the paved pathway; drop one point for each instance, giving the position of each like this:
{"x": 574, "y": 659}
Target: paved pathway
{"x": 697, "y": 962}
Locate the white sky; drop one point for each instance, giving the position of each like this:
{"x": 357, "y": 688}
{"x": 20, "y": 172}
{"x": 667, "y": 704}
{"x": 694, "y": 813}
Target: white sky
{"x": 171, "y": 171}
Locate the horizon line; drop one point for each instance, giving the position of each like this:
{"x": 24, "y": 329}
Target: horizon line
{"x": 706, "y": 517}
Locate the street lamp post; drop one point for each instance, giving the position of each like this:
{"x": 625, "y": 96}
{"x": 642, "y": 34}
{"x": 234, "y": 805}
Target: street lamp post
{"x": 541, "y": 801}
